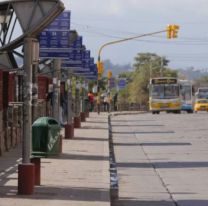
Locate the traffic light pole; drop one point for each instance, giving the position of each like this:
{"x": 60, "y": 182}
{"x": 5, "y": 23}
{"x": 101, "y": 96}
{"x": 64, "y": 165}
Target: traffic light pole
{"x": 126, "y": 39}
{"x": 117, "y": 42}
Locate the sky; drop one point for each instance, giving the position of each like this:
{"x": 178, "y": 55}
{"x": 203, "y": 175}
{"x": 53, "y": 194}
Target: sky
{"x": 101, "y": 21}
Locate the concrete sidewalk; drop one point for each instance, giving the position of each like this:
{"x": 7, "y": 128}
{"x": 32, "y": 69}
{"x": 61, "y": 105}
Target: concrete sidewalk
{"x": 78, "y": 177}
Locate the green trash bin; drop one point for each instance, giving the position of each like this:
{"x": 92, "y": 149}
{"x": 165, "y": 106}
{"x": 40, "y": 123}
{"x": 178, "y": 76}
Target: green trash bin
{"x": 45, "y": 137}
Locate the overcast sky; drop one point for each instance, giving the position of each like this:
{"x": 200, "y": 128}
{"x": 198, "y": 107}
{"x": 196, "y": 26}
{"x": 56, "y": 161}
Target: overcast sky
{"x": 100, "y": 21}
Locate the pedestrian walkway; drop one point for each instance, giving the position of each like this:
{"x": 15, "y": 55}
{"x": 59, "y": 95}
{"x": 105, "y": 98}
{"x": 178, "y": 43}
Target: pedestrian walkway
{"x": 78, "y": 177}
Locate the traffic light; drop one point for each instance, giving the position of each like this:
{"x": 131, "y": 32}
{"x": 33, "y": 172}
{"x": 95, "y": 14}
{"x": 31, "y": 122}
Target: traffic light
{"x": 172, "y": 31}
{"x": 100, "y": 67}
{"x": 169, "y": 31}
{"x": 109, "y": 74}
{"x": 175, "y": 29}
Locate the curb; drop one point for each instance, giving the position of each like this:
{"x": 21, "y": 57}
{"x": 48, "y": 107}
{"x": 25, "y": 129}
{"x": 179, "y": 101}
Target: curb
{"x": 129, "y": 113}
{"x": 113, "y": 167}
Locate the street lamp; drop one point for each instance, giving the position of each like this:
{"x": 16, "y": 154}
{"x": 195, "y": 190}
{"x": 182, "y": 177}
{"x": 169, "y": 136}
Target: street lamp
{"x": 4, "y": 19}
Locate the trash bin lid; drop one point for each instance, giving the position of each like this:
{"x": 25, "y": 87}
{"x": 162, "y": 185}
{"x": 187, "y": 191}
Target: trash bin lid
{"x": 45, "y": 121}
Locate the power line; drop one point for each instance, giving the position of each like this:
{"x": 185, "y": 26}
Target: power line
{"x": 95, "y": 29}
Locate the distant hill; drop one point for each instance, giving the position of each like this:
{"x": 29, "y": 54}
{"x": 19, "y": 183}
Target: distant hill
{"x": 192, "y": 73}
{"x": 188, "y": 73}
{"x": 116, "y": 68}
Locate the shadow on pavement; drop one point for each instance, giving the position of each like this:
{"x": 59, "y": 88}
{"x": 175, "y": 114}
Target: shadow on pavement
{"x": 4, "y": 177}
{"x": 138, "y": 125}
{"x": 89, "y": 139}
{"x": 90, "y": 121}
{"x": 90, "y": 127}
{"x": 129, "y": 120}
{"x": 82, "y": 157}
{"x": 8, "y": 166}
{"x": 154, "y": 144}
{"x": 163, "y": 165}
{"x": 145, "y": 132}
{"x": 59, "y": 193}
{"x": 133, "y": 202}
{"x": 166, "y": 144}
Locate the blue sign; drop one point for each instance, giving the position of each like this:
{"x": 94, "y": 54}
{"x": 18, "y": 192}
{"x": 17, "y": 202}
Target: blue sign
{"x": 54, "y": 39}
{"x": 112, "y": 82}
{"x": 122, "y": 83}
{"x": 62, "y": 22}
{"x": 86, "y": 63}
{"x": 86, "y": 54}
{"x": 77, "y": 55}
{"x": 77, "y": 44}
{"x": 51, "y": 53}
{"x": 82, "y": 72}
{"x": 71, "y": 63}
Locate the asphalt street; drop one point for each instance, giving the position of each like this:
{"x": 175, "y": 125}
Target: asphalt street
{"x": 161, "y": 159}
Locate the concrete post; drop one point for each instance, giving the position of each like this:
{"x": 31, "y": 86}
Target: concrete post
{"x": 56, "y": 88}
{"x": 34, "y": 92}
{"x": 77, "y": 119}
{"x": 69, "y": 127}
{"x": 26, "y": 170}
{"x": 83, "y": 106}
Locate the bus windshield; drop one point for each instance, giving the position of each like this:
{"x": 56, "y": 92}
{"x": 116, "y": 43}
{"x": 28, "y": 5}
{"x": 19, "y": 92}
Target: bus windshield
{"x": 202, "y": 93}
{"x": 164, "y": 91}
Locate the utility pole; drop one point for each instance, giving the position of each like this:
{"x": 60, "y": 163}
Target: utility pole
{"x": 109, "y": 75}
{"x": 161, "y": 67}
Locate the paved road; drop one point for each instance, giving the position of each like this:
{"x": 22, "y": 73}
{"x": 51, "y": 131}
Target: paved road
{"x": 162, "y": 159}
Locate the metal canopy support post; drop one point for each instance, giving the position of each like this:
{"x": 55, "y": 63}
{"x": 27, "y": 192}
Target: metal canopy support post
{"x": 69, "y": 102}
{"x": 34, "y": 93}
{"x": 69, "y": 127}
{"x": 26, "y": 172}
{"x": 83, "y": 103}
{"x": 77, "y": 119}
{"x": 56, "y": 88}
{"x": 28, "y": 68}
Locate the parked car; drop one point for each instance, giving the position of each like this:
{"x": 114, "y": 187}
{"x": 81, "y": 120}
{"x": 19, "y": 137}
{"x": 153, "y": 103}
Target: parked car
{"x": 201, "y": 105}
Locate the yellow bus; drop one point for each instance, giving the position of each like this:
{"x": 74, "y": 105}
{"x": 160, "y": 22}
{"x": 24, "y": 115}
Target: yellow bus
{"x": 164, "y": 95}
